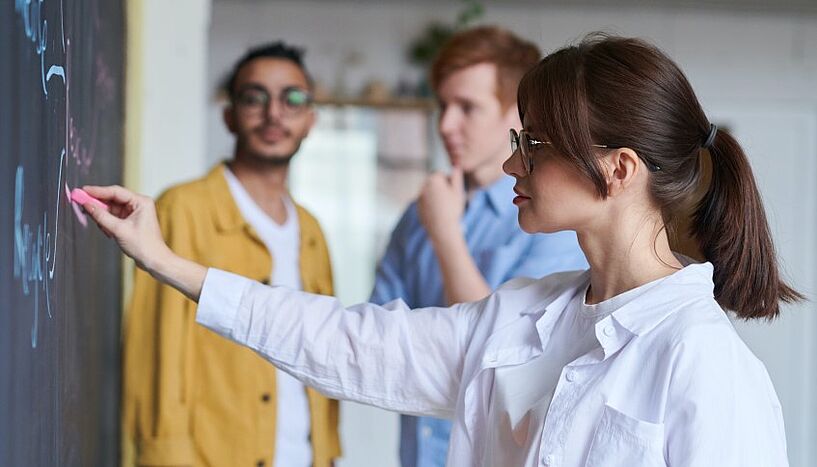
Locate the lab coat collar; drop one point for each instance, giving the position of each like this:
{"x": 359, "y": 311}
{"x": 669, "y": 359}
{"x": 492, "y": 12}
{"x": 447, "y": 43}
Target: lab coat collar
{"x": 522, "y": 339}
{"x": 644, "y": 313}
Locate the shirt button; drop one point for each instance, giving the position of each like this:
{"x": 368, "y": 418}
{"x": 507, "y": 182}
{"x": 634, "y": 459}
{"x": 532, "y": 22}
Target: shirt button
{"x": 260, "y": 463}
{"x": 426, "y": 432}
{"x": 609, "y": 331}
{"x": 265, "y": 397}
{"x": 570, "y": 376}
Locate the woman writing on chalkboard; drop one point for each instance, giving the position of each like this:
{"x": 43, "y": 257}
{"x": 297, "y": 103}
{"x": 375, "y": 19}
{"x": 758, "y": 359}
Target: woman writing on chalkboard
{"x": 632, "y": 363}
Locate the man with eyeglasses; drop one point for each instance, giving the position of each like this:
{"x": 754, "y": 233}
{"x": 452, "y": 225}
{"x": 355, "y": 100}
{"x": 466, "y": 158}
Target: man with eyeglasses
{"x": 191, "y": 397}
{"x": 461, "y": 239}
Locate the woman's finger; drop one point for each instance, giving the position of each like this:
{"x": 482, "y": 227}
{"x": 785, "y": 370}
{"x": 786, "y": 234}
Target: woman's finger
{"x": 106, "y": 221}
{"x": 120, "y": 211}
{"x": 113, "y": 193}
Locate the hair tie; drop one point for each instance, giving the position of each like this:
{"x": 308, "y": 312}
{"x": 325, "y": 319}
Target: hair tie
{"x": 710, "y": 138}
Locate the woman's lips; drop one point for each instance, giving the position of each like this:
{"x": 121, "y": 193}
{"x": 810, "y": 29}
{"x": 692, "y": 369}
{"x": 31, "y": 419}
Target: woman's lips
{"x": 520, "y": 197}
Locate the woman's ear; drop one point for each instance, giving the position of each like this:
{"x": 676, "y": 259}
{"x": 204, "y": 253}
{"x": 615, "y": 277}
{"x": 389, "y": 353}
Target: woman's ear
{"x": 621, "y": 170}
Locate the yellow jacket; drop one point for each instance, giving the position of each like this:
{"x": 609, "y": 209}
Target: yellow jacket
{"x": 191, "y": 397}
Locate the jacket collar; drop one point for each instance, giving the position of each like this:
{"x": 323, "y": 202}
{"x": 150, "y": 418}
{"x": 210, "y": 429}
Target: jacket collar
{"x": 228, "y": 216}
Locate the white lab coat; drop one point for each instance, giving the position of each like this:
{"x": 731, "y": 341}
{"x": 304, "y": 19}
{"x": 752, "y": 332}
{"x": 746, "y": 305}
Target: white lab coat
{"x": 671, "y": 383}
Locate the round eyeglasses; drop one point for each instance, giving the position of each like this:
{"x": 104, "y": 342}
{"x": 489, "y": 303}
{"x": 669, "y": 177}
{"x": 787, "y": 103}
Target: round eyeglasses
{"x": 254, "y": 100}
{"x": 526, "y": 145}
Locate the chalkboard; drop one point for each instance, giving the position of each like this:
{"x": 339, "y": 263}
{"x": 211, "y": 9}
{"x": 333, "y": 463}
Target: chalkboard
{"x": 61, "y": 126}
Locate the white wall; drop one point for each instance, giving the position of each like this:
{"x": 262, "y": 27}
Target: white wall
{"x": 756, "y": 72}
{"x": 765, "y": 46}
{"x": 167, "y": 92}
{"x": 165, "y": 104}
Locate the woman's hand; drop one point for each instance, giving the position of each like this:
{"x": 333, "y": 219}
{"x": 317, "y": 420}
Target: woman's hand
{"x": 131, "y": 221}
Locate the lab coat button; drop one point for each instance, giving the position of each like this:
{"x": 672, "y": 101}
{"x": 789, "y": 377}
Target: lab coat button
{"x": 609, "y": 331}
{"x": 571, "y": 376}
{"x": 549, "y": 461}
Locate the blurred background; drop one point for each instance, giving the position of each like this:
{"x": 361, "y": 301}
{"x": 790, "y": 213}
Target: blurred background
{"x": 753, "y": 64}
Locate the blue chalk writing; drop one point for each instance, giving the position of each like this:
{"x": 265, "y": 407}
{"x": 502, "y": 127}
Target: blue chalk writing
{"x": 55, "y": 70}
{"x": 36, "y": 243}
{"x": 36, "y": 30}
{"x": 28, "y": 246}
{"x": 35, "y": 250}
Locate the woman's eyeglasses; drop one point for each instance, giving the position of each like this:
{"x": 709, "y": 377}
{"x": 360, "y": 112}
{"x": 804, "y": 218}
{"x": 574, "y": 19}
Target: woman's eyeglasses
{"x": 523, "y": 142}
{"x": 255, "y": 100}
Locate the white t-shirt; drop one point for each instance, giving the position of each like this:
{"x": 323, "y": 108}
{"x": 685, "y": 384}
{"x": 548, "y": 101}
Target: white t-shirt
{"x": 522, "y": 393}
{"x": 292, "y": 447}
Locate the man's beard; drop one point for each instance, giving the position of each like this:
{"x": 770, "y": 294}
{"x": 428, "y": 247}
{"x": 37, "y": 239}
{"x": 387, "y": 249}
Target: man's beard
{"x": 260, "y": 159}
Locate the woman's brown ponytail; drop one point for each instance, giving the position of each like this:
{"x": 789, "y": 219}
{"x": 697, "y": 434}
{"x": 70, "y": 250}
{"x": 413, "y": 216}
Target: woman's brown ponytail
{"x": 730, "y": 226}
{"x": 624, "y": 92}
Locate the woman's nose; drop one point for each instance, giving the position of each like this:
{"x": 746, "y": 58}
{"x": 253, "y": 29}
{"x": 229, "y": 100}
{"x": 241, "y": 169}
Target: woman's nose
{"x": 513, "y": 165}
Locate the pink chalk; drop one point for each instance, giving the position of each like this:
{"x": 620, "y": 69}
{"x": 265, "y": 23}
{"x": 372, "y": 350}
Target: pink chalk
{"x": 78, "y": 195}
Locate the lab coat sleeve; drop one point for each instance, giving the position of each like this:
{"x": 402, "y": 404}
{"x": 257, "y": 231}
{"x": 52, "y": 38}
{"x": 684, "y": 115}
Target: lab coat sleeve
{"x": 408, "y": 361}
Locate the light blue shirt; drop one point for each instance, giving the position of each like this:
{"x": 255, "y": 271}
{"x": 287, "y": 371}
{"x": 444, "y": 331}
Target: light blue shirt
{"x": 501, "y": 250}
